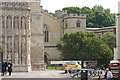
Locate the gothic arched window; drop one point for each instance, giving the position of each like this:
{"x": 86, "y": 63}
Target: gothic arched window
{"x": 46, "y": 33}
{"x": 9, "y": 22}
{"x": 23, "y": 23}
{"x": 16, "y": 22}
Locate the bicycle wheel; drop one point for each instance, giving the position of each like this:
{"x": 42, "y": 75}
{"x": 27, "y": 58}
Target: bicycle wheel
{"x": 79, "y": 75}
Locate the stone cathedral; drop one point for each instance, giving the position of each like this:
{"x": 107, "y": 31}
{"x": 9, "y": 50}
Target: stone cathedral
{"x": 21, "y": 34}
{"x": 29, "y": 34}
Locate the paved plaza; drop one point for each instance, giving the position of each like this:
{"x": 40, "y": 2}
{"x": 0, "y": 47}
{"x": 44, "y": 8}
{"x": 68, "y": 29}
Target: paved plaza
{"x": 37, "y": 74}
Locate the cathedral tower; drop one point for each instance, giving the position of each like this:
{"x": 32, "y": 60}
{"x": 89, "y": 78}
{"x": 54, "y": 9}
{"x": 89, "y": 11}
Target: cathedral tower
{"x": 74, "y": 22}
{"x": 37, "y": 37}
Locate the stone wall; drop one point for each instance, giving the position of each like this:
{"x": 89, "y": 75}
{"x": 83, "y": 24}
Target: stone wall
{"x": 37, "y": 39}
{"x": 55, "y": 29}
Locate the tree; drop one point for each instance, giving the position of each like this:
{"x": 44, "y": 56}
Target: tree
{"x": 110, "y": 39}
{"x": 84, "y": 46}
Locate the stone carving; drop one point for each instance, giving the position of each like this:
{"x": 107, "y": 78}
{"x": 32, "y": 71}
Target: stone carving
{"x": 13, "y": 5}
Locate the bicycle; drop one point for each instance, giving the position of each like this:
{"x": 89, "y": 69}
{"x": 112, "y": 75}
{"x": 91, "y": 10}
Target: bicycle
{"x": 75, "y": 72}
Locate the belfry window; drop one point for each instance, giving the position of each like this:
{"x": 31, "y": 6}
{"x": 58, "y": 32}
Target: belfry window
{"x": 78, "y": 24}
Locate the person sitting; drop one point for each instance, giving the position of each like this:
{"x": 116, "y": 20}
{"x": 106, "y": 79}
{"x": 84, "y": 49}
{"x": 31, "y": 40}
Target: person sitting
{"x": 108, "y": 74}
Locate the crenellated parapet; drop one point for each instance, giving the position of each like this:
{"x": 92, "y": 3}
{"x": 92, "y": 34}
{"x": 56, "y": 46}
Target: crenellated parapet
{"x": 60, "y": 14}
{"x": 63, "y": 14}
{"x": 75, "y": 15}
{"x": 14, "y": 5}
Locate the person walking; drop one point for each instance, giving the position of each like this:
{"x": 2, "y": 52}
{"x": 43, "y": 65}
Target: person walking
{"x": 9, "y": 65}
{"x": 4, "y": 67}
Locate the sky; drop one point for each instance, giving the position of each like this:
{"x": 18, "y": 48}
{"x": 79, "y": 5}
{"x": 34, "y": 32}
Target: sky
{"x": 52, "y": 5}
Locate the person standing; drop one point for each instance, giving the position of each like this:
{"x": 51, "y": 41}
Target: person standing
{"x": 9, "y": 65}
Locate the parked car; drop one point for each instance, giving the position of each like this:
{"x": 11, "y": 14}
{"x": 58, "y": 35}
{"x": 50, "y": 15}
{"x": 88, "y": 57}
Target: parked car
{"x": 114, "y": 65}
{"x": 70, "y": 65}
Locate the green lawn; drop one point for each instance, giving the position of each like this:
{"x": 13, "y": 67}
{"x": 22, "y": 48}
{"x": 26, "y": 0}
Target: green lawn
{"x": 54, "y": 68}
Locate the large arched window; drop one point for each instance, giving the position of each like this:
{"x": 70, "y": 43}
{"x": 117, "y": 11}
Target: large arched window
{"x": 46, "y": 33}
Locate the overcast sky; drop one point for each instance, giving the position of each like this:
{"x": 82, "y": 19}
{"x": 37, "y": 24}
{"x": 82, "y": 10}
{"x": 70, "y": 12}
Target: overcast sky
{"x": 52, "y": 5}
